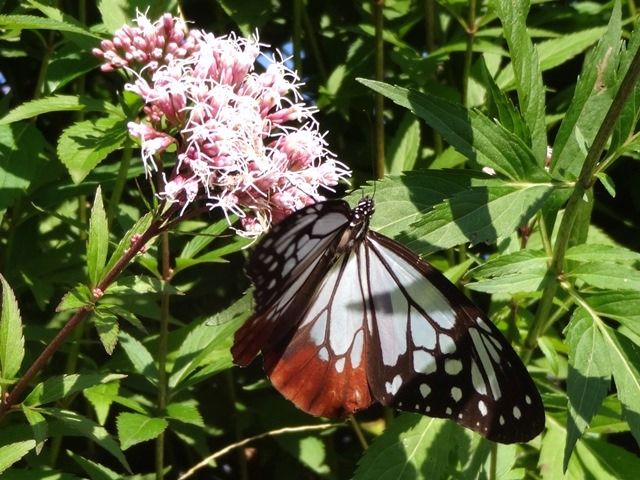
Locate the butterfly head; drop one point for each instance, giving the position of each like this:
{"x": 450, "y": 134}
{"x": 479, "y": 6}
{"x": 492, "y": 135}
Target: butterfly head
{"x": 363, "y": 212}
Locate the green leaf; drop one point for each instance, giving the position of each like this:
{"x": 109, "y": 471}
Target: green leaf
{"x": 93, "y": 469}
{"x": 410, "y": 448}
{"x": 140, "y": 285}
{"x": 607, "y": 183}
{"x": 75, "y": 299}
{"x": 11, "y": 338}
{"x": 556, "y": 51}
{"x": 477, "y": 215}
{"x": 603, "y": 275}
{"x": 30, "y": 22}
{"x": 474, "y": 135}
{"x": 624, "y": 307}
{"x": 625, "y": 362}
{"x": 522, "y": 271}
{"x": 526, "y": 67}
{"x": 591, "y": 99}
{"x": 101, "y": 397}
{"x": 61, "y": 386}
{"x": 186, "y": 412}
{"x": 87, "y": 428}
{"x": 57, "y": 103}
{"x": 402, "y": 153}
{"x": 207, "y": 346}
{"x": 98, "y": 241}
{"x": 139, "y": 357}
{"x": 38, "y": 426}
{"x": 604, "y": 461}
{"x": 590, "y": 252}
{"x": 236, "y": 244}
{"x": 85, "y": 144}
{"x": 17, "y": 143}
{"x": 10, "y": 454}
{"x": 108, "y": 328}
{"x": 588, "y": 379}
{"x": 134, "y": 428}
{"x": 204, "y": 237}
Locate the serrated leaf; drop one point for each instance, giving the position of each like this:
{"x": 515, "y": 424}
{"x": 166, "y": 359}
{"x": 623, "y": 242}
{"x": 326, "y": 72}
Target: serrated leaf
{"x": 93, "y": 469}
{"x": 30, "y": 22}
{"x": 10, "y": 454}
{"x": 624, "y": 307}
{"x": 469, "y": 131}
{"x": 134, "y": 428}
{"x": 107, "y": 308}
{"x": 591, "y": 99}
{"x": 207, "y": 346}
{"x": 83, "y": 145}
{"x": 527, "y": 72}
{"x": 101, "y": 397}
{"x": 404, "y": 147}
{"x": 11, "y": 338}
{"x": 139, "y": 357}
{"x": 602, "y": 275}
{"x": 98, "y": 240}
{"x": 588, "y": 379}
{"x": 477, "y": 215}
{"x": 61, "y": 386}
{"x": 204, "y": 237}
{"x": 140, "y": 285}
{"x": 89, "y": 429}
{"x": 186, "y": 412}
{"x": 590, "y": 252}
{"x": 75, "y": 299}
{"x": 56, "y": 103}
{"x": 625, "y": 362}
{"x": 408, "y": 449}
{"x": 516, "y": 262}
{"x": 38, "y": 426}
{"x": 108, "y": 329}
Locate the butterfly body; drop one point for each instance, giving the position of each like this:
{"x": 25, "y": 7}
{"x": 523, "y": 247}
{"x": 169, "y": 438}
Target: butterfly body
{"x": 346, "y": 317}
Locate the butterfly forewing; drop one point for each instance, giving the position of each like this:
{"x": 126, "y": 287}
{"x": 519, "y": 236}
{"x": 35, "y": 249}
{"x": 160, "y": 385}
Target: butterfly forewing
{"x": 443, "y": 357}
{"x": 345, "y": 316}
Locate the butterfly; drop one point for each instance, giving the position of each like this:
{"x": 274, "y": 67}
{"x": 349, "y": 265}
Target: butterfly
{"x": 346, "y": 316}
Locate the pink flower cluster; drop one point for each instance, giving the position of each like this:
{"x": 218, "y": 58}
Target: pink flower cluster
{"x": 245, "y": 142}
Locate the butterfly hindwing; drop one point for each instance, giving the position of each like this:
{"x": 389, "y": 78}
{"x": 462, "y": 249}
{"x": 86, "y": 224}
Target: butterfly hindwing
{"x": 321, "y": 366}
{"x": 443, "y": 357}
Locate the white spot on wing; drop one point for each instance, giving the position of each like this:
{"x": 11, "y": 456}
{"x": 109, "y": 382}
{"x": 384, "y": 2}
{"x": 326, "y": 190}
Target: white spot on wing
{"x": 424, "y": 362}
{"x": 482, "y": 407}
{"x": 501, "y": 420}
{"x": 477, "y": 380}
{"x": 323, "y": 354}
{"x": 448, "y": 411}
{"x": 425, "y": 390}
{"x": 452, "y": 366}
{"x": 340, "y": 365}
{"x": 447, "y": 345}
{"x": 486, "y": 362}
{"x": 393, "y": 386}
{"x": 483, "y": 324}
{"x": 527, "y": 399}
{"x": 422, "y": 333}
{"x": 516, "y": 413}
{"x": 456, "y": 394}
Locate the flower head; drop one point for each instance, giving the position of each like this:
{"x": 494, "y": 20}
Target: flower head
{"x": 245, "y": 141}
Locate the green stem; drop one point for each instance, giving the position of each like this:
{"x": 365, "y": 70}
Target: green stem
{"x": 359, "y": 433}
{"x": 586, "y": 179}
{"x": 493, "y": 462}
{"x": 379, "y": 99}
{"x": 163, "y": 387}
{"x": 472, "y": 29}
